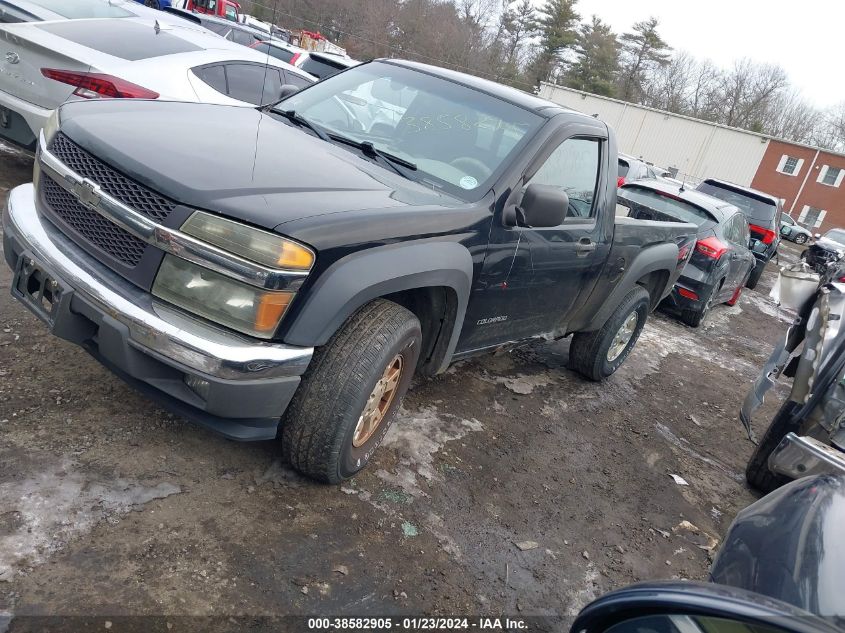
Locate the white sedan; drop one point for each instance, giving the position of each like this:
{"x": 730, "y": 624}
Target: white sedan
{"x": 43, "y": 64}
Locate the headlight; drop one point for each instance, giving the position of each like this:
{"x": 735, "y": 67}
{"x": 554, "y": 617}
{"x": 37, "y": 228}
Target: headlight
{"x": 220, "y": 299}
{"x": 262, "y": 247}
{"x": 51, "y": 126}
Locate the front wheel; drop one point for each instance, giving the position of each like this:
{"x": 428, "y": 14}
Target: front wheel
{"x": 596, "y": 355}
{"x": 351, "y": 391}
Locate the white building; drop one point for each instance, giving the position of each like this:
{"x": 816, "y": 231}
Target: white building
{"x": 697, "y": 149}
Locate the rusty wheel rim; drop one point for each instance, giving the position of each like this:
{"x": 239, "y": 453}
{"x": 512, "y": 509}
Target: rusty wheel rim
{"x": 379, "y": 402}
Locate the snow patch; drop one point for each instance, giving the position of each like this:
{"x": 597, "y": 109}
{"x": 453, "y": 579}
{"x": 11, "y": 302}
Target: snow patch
{"x": 587, "y": 594}
{"x": 762, "y": 304}
{"x": 42, "y": 513}
{"x": 523, "y": 384}
{"x": 417, "y": 437}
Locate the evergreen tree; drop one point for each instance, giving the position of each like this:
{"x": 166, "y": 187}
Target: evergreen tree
{"x": 641, "y": 50}
{"x": 519, "y": 25}
{"x": 598, "y": 59}
{"x": 557, "y": 24}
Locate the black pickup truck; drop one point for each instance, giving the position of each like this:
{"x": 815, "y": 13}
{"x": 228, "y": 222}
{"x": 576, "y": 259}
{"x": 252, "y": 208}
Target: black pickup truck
{"x": 286, "y": 270}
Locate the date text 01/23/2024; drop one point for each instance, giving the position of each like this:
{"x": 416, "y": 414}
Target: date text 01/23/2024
{"x": 417, "y": 624}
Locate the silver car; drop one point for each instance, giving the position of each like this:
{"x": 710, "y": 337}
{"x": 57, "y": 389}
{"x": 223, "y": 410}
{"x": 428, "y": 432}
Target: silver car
{"x": 43, "y": 64}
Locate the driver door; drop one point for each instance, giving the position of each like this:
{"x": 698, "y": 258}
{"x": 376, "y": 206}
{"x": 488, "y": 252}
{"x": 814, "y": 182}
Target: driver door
{"x": 533, "y": 279}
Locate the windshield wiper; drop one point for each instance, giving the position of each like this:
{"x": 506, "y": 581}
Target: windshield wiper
{"x": 301, "y": 121}
{"x": 368, "y": 149}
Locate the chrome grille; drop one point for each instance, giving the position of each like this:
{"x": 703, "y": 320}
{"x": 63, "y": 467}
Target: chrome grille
{"x": 112, "y": 182}
{"x": 100, "y": 232}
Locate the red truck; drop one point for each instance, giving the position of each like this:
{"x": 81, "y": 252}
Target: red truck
{"x": 228, "y": 9}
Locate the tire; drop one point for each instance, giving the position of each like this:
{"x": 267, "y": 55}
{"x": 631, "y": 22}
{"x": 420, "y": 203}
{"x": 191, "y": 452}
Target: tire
{"x": 756, "y": 273}
{"x": 320, "y": 429}
{"x": 800, "y": 239}
{"x": 588, "y": 354}
{"x": 153, "y": 4}
{"x": 757, "y": 471}
{"x": 694, "y": 318}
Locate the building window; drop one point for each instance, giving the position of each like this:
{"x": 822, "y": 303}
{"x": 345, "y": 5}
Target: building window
{"x": 790, "y": 165}
{"x": 811, "y": 217}
{"x": 831, "y": 176}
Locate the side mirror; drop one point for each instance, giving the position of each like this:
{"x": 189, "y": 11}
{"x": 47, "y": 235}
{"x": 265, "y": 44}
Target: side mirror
{"x": 693, "y": 607}
{"x": 543, "y": 206}
{"x": 287, "y": 90}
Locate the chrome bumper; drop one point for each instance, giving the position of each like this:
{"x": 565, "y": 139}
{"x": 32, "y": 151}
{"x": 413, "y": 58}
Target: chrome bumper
{"x": 798, "y": 456}
{"x": 151, "y": 325}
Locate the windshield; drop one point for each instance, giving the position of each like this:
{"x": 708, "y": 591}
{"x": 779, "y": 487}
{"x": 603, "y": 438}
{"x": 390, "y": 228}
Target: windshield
{"x": 836, "y": 235}
{"x": 759, "y": 211}
{"x": 657, "y": 201}
{"x": 458, "y": 138}
{"x": 81, "y": 9}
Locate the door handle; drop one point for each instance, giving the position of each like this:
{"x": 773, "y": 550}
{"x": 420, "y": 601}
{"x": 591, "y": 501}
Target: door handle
{"x": 585, "y": 245}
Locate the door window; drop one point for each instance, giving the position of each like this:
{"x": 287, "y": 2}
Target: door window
{"x": 293, "y": 79}
{"x": 214, "y": 76}
{"x": 574, "y": 167}
{"x": 253, "y": 83}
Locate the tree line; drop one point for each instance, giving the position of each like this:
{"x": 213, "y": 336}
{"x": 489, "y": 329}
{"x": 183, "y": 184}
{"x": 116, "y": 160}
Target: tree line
{"x": 518, "y": 43}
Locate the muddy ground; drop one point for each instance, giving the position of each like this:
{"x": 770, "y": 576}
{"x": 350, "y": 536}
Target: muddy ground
{"x": 111, "y": 507}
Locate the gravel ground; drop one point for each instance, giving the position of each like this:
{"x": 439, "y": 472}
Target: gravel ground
{"x": 507, "y": 485}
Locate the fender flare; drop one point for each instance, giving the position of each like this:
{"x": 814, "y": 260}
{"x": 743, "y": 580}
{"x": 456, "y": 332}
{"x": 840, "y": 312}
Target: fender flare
{"x": 357, "y": 279}
{"x": 654, "y": 258}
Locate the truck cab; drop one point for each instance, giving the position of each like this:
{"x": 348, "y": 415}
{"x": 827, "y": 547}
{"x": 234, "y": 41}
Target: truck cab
{"x": 228, "y": 9}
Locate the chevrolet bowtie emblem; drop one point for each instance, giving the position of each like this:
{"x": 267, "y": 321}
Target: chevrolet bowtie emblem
{"x": 88, "y": 193}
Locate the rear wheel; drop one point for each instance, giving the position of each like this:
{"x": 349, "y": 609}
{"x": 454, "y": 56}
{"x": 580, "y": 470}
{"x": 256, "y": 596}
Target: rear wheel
{"x": 755, "y": 275}
{"x": 596, "y": 355}
{"x": 800, "y": 239}
{"x": 757, "y": 471}
{"x": 694, "y": 318}
{"x": 351, "y": 391}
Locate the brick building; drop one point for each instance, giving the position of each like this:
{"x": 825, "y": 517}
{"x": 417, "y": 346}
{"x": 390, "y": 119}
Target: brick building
{"x": 810, "y": 182}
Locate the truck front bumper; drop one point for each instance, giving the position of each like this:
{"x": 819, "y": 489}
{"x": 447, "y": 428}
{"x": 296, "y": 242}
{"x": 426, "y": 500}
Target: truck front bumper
{"x": 228, "y": 382}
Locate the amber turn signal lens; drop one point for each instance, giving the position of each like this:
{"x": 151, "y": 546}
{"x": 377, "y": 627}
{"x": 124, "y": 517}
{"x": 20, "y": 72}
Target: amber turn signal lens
{"x": 271, "y": 308}
{"x": 295, "y": 256}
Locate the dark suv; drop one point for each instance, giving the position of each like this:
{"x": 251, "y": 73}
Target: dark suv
{"x": 763, "y": 213}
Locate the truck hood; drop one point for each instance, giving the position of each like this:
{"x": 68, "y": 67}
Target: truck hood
{"x": 236, "y": 161}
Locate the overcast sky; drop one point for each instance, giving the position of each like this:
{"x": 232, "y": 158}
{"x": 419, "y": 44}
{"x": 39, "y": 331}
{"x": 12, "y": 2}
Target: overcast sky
{"x": 804, "y": 37}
